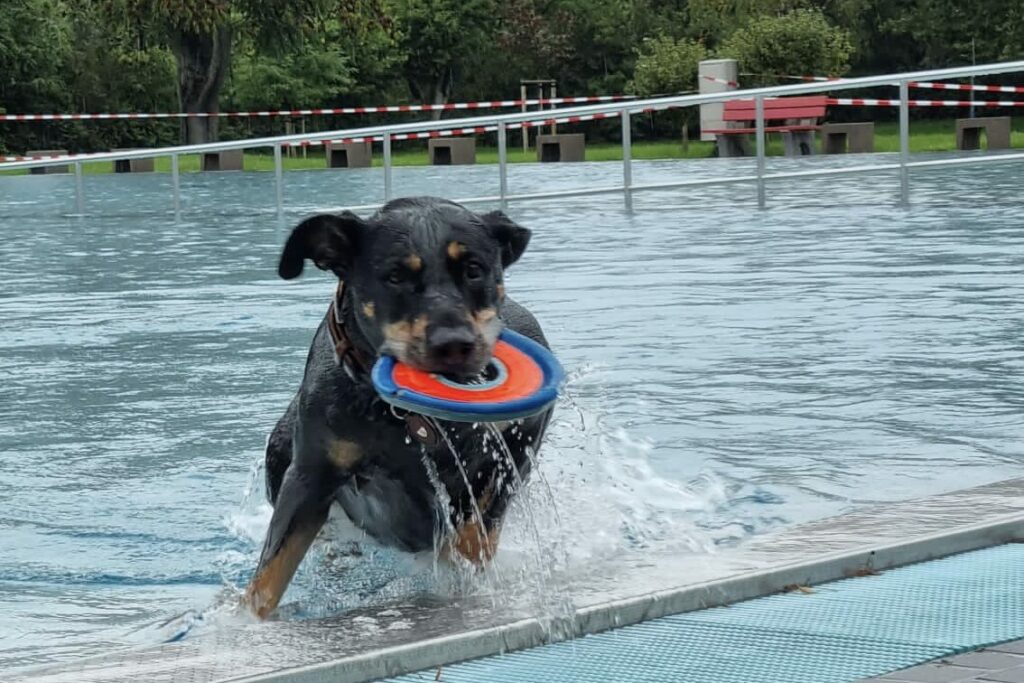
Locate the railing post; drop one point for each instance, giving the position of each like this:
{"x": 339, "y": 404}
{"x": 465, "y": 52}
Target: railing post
{"x": 759, "y": 122}
{"x": 279, "y": 182}
{"x": 387, "y": 167}
{"x": 627, "y": 156}
{"x": 523, "y": 94}
{"x": 79, "y": 189}
{"x": 176, "y": 186}
{"x": 502, "y": 163}
{"x": 904, "y": 142}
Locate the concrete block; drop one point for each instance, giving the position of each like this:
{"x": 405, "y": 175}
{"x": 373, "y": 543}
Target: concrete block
{"x": 133, "y": 165}
{"x": 230, "y": 160}
{"x": 452, "y": 151}
{"x": 349, "y": 154}
{"x": 855, "y": 138}
{"x": 997, "y": 132}
{"x": 798, "y": 143}
{"x": 561, "y": 147}
{"x": 733, "y": 146}
{"x": 46, "y": 170}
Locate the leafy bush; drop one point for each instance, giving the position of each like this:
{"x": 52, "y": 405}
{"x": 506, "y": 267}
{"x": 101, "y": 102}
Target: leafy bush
{"x": 667, "y": 66}
{"x": 799, "y": 43}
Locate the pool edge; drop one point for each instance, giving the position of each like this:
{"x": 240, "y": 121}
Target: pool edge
{"x": 440, "y": 651}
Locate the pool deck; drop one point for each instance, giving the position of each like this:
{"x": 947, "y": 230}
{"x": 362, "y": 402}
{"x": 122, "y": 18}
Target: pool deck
{"x": 431, "y": 635}
{"x": 1003, "y": 663}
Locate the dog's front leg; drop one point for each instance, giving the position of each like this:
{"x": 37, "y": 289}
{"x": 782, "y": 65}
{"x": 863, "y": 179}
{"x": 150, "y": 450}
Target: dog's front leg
{"x": 302, "y": 507}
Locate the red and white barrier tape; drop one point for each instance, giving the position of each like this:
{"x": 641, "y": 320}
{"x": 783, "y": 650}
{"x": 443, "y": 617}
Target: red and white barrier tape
{"x": 795, "y": 78}
{"x": 492, "y": 104}
{"x": 40, "y": 158}
{"x": 715, "y": 79}
{"x": 813, "y": 79}
{"x": 400, "y": 136}
{"x": 964, "y": 104}
{"x": 962, "y": 86}
{"x": 460, "y": 131}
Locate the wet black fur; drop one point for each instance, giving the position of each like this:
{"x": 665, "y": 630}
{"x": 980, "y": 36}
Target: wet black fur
{"x": 389, "y": 492}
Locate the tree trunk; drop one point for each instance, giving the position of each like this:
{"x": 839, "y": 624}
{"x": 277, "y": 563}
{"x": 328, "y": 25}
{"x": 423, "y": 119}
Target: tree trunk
{"x": 203, "y": 62}
{"x": 432, "y": 89}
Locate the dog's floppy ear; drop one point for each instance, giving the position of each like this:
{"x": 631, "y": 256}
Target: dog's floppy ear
{"x": 511, "y": 237}
{"x": 327, "y": 240}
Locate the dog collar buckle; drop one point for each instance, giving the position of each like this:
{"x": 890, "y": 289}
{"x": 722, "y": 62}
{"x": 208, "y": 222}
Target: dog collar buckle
{"x": 421, "y": 430}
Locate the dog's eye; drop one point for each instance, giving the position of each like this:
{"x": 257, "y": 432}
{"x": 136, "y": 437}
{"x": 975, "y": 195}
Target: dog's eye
{"x": 396, "y": 276}
{"x": 474, "y": 271}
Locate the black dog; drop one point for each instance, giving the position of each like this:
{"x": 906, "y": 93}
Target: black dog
{"x": 421, "y": 280}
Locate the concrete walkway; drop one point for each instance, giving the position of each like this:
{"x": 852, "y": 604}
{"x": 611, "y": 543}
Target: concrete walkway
{"x": 997, "y": 664}
{"x": 906, "y": 614}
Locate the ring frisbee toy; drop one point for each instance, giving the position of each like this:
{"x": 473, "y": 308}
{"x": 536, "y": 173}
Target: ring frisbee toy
{"x": 522, "y": 379}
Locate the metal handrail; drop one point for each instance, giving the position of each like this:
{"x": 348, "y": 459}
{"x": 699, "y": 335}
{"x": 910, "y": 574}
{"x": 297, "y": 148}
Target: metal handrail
{"x": 503, "y": 122}
{"x": 632, "y": 106}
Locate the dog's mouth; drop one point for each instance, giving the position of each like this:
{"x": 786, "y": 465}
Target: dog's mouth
{"x": 474, "y": 368}
{"x": 488, "y": 375}
{"x": 473, "y": 373}
{"x": 462, "y": 354}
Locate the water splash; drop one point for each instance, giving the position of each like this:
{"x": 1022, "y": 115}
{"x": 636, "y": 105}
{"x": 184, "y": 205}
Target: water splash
{"x": 593, "y": 497}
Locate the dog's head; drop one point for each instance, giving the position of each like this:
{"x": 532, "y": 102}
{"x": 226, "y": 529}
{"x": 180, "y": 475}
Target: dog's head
{"x": 426, "y": 276}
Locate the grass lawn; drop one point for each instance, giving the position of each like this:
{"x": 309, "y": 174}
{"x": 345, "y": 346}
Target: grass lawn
{"x": 925, "y": 136}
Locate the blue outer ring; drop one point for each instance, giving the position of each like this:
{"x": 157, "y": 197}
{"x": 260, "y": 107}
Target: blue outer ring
{"x": 461, "y": 411}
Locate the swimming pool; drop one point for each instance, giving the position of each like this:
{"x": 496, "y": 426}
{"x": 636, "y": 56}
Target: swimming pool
{"x": 734, "y": 372}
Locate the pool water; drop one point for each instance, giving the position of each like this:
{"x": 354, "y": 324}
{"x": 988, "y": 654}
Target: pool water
{"x": 732, "y": 372}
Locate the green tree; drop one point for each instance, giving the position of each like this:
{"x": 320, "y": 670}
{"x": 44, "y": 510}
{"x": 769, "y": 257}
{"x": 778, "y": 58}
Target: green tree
{"x": 604, "y": 44}
{"x": 715, "y": 20}
{"x": 798, "y": 42}
{"x": 200, "y": 33}
{"x": 304, "y": 77}
{"x": 35, "y": 42}
{"x": 667, "y": 66}
{"x": 437, "y": 39}
{"x": 113, "y": 67}
{"x": 951, "y": 33}
{"x": 370, "y": 38}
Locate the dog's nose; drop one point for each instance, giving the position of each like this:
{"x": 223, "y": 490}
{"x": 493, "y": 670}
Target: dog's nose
{"x": 451, "y": 346}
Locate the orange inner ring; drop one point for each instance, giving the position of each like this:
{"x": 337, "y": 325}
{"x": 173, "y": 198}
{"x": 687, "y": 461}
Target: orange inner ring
{"x": 524, "y": 378}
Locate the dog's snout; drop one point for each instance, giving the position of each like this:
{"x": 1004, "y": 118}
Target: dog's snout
{"x": 451, "y": 346}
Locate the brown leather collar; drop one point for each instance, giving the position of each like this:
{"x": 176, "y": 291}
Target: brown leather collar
{"x": 352, "y": 359}
{"x": 357, "y": 366}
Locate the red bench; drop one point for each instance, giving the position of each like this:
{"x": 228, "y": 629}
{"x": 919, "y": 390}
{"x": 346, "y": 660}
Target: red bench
{"x": 798, "y": 115}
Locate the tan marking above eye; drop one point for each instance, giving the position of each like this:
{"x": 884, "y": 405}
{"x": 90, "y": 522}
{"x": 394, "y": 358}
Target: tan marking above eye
{"x": 343, "y": 454}
{"x": 456, "y": 250}
{"x": 413, "y": 262}
{"x": 369, "y": 310}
